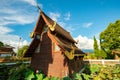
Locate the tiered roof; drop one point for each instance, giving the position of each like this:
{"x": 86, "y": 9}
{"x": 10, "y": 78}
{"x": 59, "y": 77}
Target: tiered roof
{"x": 56, "y": 33}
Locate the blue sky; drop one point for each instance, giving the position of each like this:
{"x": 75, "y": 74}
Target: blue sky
{"x": 82, "y": 18}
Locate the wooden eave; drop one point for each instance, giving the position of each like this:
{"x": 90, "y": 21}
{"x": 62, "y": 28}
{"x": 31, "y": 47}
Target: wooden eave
{"x": 6, "y": 49}
{"x": 65, "y": 45}
{"x": 4, "y": 52}
{"x": 68, "y": 46}
{"x": 39, "y": 25}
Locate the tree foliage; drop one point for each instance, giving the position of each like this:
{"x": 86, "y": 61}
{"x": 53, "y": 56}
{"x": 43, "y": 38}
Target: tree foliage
{"x": 96, "y": 49}
{"x": 98, "y": 52}
{"x": 103, "y": 55}
{"x": 21, "y": 51}
{"x": 1, "y": 43}
{"x": 110, "y": 38}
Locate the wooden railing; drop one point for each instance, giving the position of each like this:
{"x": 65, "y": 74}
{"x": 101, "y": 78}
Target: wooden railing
{"x": 103, "y": 62}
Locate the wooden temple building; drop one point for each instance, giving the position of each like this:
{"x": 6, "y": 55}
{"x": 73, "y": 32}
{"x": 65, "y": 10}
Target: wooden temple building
{"x": 53, "y": 50}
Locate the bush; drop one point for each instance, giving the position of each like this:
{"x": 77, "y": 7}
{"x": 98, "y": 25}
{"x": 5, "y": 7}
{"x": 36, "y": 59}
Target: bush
{"x": 90, "y": 72}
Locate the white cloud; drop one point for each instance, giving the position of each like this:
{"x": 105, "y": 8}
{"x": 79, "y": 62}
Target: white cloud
{"x": 87, "y": 24}
{"x": 97, "y": 35}
{"x": 61, "y": 21}
{"x": 13, "y": 40}
{"x": 32, "y": 2}
{"x": 63, "y": 24}
{"x": 4, "y": 30}
{"x": 16, "y": 18}
{"x": 3, "y": 22}
{"x": 13, "y": 17}
{"x": 54, "y": 16}
{"x": 66, "y": 26}
{"x": 67, "y": 16}
{"x": 19, "y": 19}
{"x": 7, "y": 11}
{"x": 12, "y": 13}
{"x": 70, "y": 28}
{"x": 84, "y": 42}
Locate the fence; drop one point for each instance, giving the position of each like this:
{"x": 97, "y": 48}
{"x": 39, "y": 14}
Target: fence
{"x": 103, "y": 62}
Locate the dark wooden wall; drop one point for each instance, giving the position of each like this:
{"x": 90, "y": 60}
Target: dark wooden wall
{"x": 50, "y": 62}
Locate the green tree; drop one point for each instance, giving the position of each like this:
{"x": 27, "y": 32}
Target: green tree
{"x": 21, "y": 51}
{"x": 110, "y": 38}
{"x": 103, "y": 55}
{"x": 96, "y": 48}
{"x": 1, "y": 43}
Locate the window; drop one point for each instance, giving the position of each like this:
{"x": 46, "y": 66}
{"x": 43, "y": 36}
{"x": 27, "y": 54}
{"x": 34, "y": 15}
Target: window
{"x": 37, "y": 50}
{"x": 45, "y": 29}
{"x": 37, "y": 36}
{"x": 57, "y": 48}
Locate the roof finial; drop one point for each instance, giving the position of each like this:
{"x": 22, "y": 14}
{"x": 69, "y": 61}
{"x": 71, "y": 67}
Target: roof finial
{"x": 37, "y": 5}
